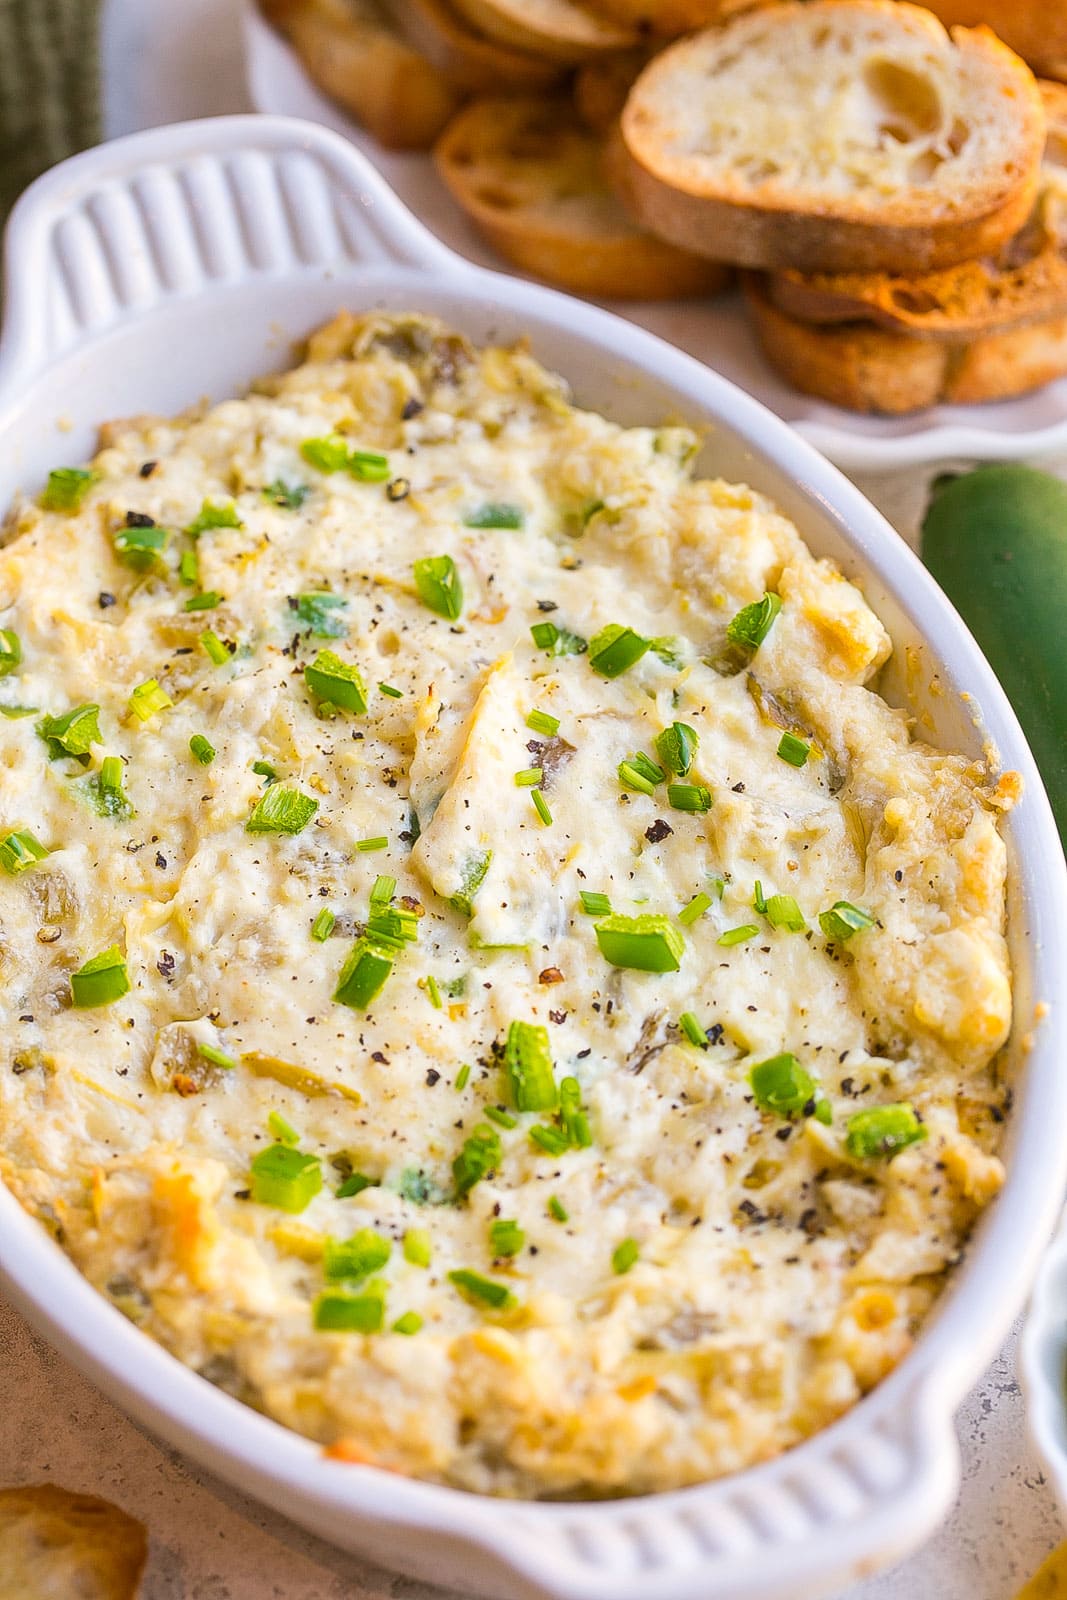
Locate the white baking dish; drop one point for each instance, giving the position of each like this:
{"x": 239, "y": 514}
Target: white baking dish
{"x": 145, "y": 274}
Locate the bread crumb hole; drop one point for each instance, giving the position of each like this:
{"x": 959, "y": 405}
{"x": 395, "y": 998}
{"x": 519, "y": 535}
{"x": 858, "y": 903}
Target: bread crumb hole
{"x": 907, "y": 105}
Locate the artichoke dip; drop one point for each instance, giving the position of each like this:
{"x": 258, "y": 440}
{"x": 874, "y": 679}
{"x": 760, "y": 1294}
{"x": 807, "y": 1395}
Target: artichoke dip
{"x": 486, "y": 979}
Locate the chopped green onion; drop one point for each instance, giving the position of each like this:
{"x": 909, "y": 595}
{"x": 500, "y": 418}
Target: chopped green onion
{"x": 543, "y": 722}
{"x": 676, "y": 747}
{"x": 319, "y": 612}
{"x": 366, "y": 847}
{"x": 783, "y": 912}
{"x": 695, "y": 909}
{"x": 472, "y": 876}
{"x": 363, "y": 974}
{"x": 339, "y": 682}
{"x": 540, "y": 805}
{"x": 594, "y": 903}
{"x": 10, "y": 652}
{"x": 503, "y": 1119}
{"x": 482, "y": 1291}
{"x": 281, "y": 810}
{"x": 355, "y": 1184}
{"x": 495, "y": 514}
{"x": 844, "y": 919}
{"x": 348, "y": 1260}
{"x": 282, "y": 1130}
{"x": 418, "y": 1247}
{"x": 290, "y": 496}
{"x": 740, "y": 935}
{"x": 528, "y": 777}
{"x": 100, "y": 980}
{"x": 689, "y": 797}
{"x": 883, "y": 1131}
{"x": 264, "y": 770}
{"x": 219, "y": 1058}
{"x": 692, "y": 1029}
{"x": 336, "y": 1311}
{"x": 718, "y": 884}
{"x": 552, "y": 1140}
{"x": 72, "y": 734}
{"x": 392, "y": 926}
{"x": 481, "y": 1154}
{"x": 557, "y": 641}
{"x": 286, "y": 1178}
{"x": 557, "y": 1210}
{"x": 422, "y": 1190}
{"x": 758, "y": 902}
{"x": 323, "y": 925}
{"x": 615, "y": 649}
{"x": 434, "y": 992}
{"x": 574, "y": 1120}
{"x": 408, "y": 1324}
{"x": 438, "y": 586}
{"x": 645, "y": 943}
{"x": 13, "y": 713}
{"x": 795, "y": 751}
{"x": 66, "y": 489}
{"x": 383, "y": 890}
{"x": 394, "y": 694}
{"x": 203, "y": 602}
{"x": 625, "y": 1256}
{"x": 506, "y": 1238}
{"x": 753, "y": 623}
{"x": 780, "y": 1084}
{"x": 148, "y": 698}
{"x": 140, "y": 547}
{"x": 106, "y": 794}
{"x": 634, "y": 778}
{"x": 202, "y": 749}
{"x": 333, "y": 454}
{"x": 463, "y": 1075}
{"x": 20, "y": 851}
{"x": 216, "y": 651}
{"x": 189, "y": 567}
{"x": 528, "y": 1068}
{"x": 213, "y": 516}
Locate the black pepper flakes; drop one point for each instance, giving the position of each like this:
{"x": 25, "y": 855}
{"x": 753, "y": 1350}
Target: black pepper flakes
{"x": 658, "y": 831}
{"x": 398, "y": 489}
{"x": 139, "y": 519}
{"x": 105, "y": 600}
{"x": 412, "y": 408}
{"x": 146, "y": 469}
{"x": 433, "y": 1077}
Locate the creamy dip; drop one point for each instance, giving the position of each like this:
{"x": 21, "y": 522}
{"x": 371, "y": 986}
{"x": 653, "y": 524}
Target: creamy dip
{"x": 486, "y": 979}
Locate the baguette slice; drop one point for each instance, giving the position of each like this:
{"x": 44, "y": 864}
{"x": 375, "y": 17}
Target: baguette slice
{"x": 669, "y": 18}
{"x": 354, "y": 54}
{"x": 57, "y": 1545}
{"x": 834, "y": 136}
{"x": 529, "y": 175}
{"x": 865, "y": 368}
{"x": 1026, "y": 281}
{"x": 559, "y": 30}
{"x": 471, "y": 62}
{"x": 1037, "y": 29}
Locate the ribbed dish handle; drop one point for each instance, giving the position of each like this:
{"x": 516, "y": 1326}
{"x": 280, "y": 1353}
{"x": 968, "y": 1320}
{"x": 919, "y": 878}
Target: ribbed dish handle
{"x": 123, "y": 229}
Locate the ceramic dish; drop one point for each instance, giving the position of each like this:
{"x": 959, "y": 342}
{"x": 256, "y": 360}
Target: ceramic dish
{"x": 715, "y": 331}
{"x": 1043, "y": 1366}
{"x": 182, "y": 261}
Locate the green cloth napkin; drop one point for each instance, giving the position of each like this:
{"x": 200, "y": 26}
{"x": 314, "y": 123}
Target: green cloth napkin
{"x": 49, "y": 87}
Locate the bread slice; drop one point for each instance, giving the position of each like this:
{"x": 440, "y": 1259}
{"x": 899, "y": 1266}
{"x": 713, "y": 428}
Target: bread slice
{"x": 1037, "y": 29}
{"x": 601, "y": 88}
{"x": 1026, "y": 281}
{"x": 467, "y": 59}
{"x": 834, "y": 136}
{"x": 529, "y": 175}
{"x": 57, "y": 1545}
{"x": 354, "y": 54}
{"x": 866, "y": 368}
{"x": 559, "y": 30}
{"x": 669, "y": 18}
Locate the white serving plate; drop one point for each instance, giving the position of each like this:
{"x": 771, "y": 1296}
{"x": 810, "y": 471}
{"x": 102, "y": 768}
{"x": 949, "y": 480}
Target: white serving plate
{"x": 1043, "y": 1366}
{"x": 715, "y": 331}
{"x": 185, "y": 260}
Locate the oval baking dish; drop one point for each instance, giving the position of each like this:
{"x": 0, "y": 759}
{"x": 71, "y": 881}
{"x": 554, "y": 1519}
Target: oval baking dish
{"x": 182, "y": 262}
